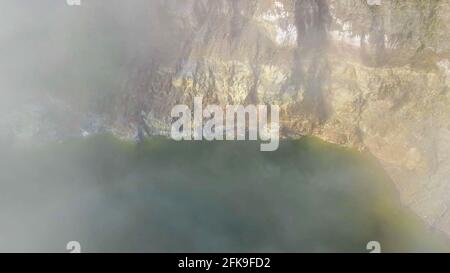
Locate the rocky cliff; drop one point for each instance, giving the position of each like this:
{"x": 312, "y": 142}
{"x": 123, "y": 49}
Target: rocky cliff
{"x": 368, "y": 74}
{"x": 374, "y": 75}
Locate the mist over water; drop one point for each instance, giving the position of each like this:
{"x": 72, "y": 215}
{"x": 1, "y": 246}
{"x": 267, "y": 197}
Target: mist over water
{"x": 112, "y": 195}
{"x": 197, "y": 197}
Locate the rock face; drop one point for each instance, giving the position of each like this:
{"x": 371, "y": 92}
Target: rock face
{"x": 368, "y": 74}
{"x": 373, "y": 75}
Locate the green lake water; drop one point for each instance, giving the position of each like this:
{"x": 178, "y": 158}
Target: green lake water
{"x": 166, "y": 196}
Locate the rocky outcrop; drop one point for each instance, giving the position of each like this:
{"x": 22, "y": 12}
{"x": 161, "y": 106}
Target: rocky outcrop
{"x": 373, "y": 75}
{"x": 368, "y": 74}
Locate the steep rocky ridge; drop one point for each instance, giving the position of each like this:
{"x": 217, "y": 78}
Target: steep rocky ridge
{"x": 373, "y": 75}
{"x": 369, "y": 74}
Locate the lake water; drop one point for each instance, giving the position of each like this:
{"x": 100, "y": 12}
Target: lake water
{"x": 166, "y": 196}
